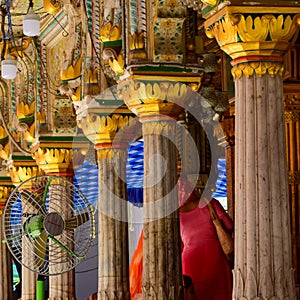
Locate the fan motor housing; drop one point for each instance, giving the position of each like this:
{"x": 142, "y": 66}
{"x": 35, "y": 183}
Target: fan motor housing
{"x": 54, "y": 224}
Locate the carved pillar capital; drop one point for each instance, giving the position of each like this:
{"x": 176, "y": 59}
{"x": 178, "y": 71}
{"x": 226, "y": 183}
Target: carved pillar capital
{"x": 22, "y": 170}
{"x": 256, "y": 37}
{"x": 5, "y": 191}
{"x": 105, "y": 122}
{"x": 158, "y": 97}
{"x": 54, "y": 160}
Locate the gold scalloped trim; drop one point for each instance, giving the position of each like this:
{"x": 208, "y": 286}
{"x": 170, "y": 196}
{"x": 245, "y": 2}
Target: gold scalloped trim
{"x": 72, "y": 72}
{"x": 21, "y": 174}
{"x": 53, "y": 160}
{"x": 24, "y": 110}
{"x": 157, "y": 98}
{"x": 3, "y": 133}
{"x": 102, "y": 129}
{"x": 109, "y": 33}
{"x": 263, "y": 35}
{"x": 259, "y": 68}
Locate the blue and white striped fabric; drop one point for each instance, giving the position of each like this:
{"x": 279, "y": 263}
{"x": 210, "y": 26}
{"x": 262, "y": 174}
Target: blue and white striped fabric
{"x": 86, "y": 177}
{"x": 221, "y": 191}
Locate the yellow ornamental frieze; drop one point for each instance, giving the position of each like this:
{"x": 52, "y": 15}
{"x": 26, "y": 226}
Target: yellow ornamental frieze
{"x": 152, "y": 93}
{"x": 155, "y": 92}
{"x": 21, "y": 174}
{"x": 108, "y": 154}
{"x": 122, "y": 121}
{"x": 102, "y": 129}
{"x": 41, "y": 117}
{"x": 4, "y": 151}
{"x": 259, "y": 68}
{"x": 4, "y": 194}
{"x": 53, "y": 160}
{"x": 158, "y": 128}
{"x": 137, "y": 41}
{"x": 3, "y": 133}
{"x": 24, "y": 110}
{"x": 155, "y": 98}
{"x": 117, "y": 64}
{"x": 108, "y": 32}
{"x": 241, "y": 36}
{"x": 283, "y": 30}
{"x": 250, "y": 30}
{"x": 224, "y": 31}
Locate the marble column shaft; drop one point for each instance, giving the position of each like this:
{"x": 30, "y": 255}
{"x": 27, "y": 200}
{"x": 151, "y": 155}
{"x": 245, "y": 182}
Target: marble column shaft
{"x": 28, "y": 277}
{"x": 263, "y": 263}
{"x": 61, "y": 286}
{"x": 113, "y": 257}
{"x": 162, "y": 278}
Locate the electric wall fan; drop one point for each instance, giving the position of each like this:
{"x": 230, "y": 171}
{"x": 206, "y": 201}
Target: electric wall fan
{"x": 48, "y": 225}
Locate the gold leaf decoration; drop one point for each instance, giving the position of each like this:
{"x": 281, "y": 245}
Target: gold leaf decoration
{"x": 253, "y": 31}
{"x": 282, "y": 30}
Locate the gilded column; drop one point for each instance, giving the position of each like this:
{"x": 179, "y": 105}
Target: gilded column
{"x": 292, "y": 127}
{"x": 155, "y": 104}
{"x": 5, "y": 256}
{"x": 257, "y": 38}
{"x": 110, "y": 126}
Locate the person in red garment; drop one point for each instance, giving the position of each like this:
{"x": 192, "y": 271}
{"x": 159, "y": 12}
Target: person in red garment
{"x": 202, "y": 256}
{"x": 203, "y": 261}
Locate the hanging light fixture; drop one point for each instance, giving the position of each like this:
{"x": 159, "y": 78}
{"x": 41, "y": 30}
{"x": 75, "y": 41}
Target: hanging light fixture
{"x": 9, "y": 68}
{"x": 31, "y": 22}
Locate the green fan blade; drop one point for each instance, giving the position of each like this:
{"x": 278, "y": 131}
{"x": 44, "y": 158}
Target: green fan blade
{"x": 40, "y": 247}
{"x": 77, "y": 220}
{"x": 65, "y": 248}
{"x": 34, "y": 226}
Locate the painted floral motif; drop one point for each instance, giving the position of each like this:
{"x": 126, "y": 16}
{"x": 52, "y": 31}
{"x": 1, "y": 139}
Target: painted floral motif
{"x": 168, "y": 40}
{"x": 170, "y": 9}
{"x": 64, "y": 117}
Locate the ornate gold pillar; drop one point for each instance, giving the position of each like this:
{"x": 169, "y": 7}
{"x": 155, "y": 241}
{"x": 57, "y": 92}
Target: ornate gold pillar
{"x": 110, "y": 126}
{"x": 256, "y": 38}
{"x": 154, "y": 100}
{"x": 292, "y": 127}
{"x": 6, "y": 275}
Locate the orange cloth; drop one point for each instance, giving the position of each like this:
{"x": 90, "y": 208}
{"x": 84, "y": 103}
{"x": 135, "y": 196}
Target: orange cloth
{"x": 136, "y": 270}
